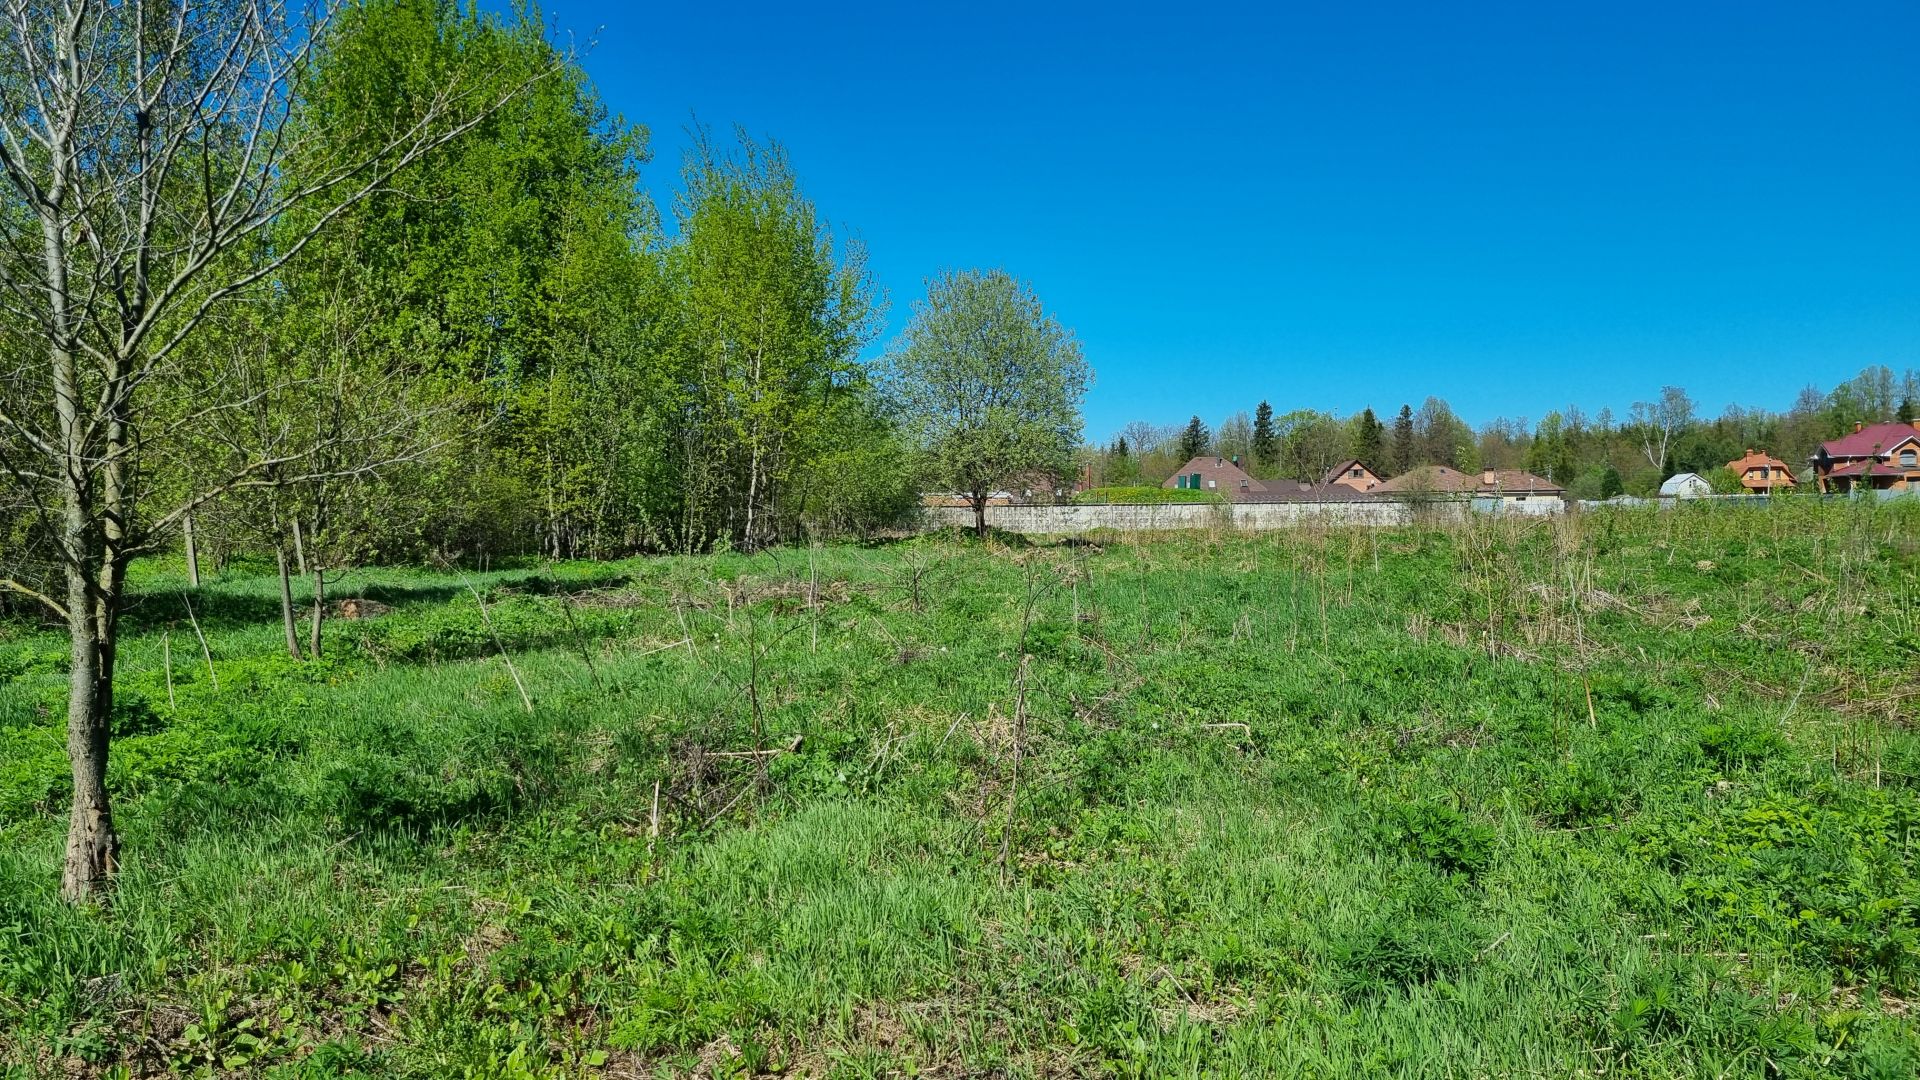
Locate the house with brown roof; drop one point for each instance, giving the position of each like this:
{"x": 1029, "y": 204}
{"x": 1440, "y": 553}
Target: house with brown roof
{"x": 1883, "y": 457}
{"x": 1761, "y": 473}
{"x": 1220, "y": 475}
{"x": 1352, "y": 474}
{"x": 1511, "y": 490}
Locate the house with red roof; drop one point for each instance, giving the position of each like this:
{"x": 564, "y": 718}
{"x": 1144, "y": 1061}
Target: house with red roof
{"x": 1884, "y": 457}
{"x": 1760, "y": 473}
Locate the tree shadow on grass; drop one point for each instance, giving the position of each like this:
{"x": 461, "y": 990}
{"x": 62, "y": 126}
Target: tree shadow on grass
{"x": 229, "y": 606}
{"x": 219, "y": 608}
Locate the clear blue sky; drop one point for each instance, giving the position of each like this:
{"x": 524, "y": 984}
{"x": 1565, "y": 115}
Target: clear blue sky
{"x": 1513, "y": 206}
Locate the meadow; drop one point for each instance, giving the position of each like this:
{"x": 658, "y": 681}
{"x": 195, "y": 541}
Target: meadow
{"x": 1627, "y": 794}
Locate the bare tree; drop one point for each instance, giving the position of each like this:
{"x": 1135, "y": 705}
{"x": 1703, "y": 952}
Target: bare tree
{"x": 1659, "y": 421}
{"x": 153, "y": 167}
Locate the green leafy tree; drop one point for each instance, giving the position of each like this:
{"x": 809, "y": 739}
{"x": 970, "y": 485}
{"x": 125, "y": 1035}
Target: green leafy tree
{"x": 1312, "y": 442}
{"x": 1439, "y": 435}
{"x": 151, "y": 183}
{"x": 1906, "y": 413}
{"x": 771, "y": 319}
{"x": 986, "y": 386}
{"x": 1550, "y": 454}
{"x": 1724, "y": 481}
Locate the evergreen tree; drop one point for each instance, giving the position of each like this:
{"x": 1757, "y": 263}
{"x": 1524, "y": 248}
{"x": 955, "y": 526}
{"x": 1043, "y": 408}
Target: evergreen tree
{"x": 1368, "y": 434}
{"x": 1195, "y": 440}
{"x": 1401, "y": 458}
{"x": 1266, "y": 444}
{"x": 1906, "y": 412}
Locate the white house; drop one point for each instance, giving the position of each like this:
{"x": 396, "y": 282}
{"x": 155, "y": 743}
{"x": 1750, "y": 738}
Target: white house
{"x": 1685, "y": 485}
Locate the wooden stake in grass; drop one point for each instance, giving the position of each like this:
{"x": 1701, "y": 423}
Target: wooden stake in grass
{"x": 498, "y": 644}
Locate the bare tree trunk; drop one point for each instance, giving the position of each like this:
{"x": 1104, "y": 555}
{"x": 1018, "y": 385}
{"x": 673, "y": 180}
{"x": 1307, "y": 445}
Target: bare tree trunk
{"x": 286, "y": 601}
{"x": 980, "y": 514}
{"x": 299, "y": 548}
{"x": 193, "y": 552}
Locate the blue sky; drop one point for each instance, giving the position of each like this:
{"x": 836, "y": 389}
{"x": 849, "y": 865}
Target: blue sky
{"x": 1514, "y": 206}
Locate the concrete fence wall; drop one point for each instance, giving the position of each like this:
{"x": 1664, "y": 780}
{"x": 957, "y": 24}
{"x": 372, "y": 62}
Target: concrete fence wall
{"x": 1066, "y": 520}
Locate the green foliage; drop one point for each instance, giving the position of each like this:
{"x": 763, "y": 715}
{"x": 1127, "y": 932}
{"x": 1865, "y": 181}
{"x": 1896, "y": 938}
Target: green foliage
{"x": 1368, "y": 439}
{"x": 1266, "y": 443}
{"x": 1195, "y": 440}
{"x": 1322, "y": 802}
{"x": 1724, "y": 481}
{"x": 985, "y": 384}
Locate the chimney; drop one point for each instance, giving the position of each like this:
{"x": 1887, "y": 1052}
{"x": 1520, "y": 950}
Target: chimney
{"x": 1749, "y": 451}
{"x": 1236, "y": 459}
{"x": 1856, "y": 427}
{"x": 1486, "y": 477}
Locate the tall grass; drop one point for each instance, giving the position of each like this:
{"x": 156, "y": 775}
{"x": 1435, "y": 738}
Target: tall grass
{"x": 1619, "y": 794}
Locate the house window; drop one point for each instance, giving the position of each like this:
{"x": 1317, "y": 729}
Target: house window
{"x": 1243, "y": 485}
{"x": 1908, "y": 458}
{"x": 1353, "y": 473}
{"x": 1519, "y": 498}
{"x": 1212, "y": 484}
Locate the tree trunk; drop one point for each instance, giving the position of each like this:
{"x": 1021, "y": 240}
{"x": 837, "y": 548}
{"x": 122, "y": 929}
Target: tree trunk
{"x": 980, "y": 514}
{"x": 319, "y": 605}
{"x": 93, "y": 849}
{"x": 286, "y": 602}
{"x": 299, "y": 548}
{"x": 193, "y": 553}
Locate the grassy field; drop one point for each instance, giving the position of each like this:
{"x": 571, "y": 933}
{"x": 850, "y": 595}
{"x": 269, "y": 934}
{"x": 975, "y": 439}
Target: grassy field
{"x": 1633, "y": 794}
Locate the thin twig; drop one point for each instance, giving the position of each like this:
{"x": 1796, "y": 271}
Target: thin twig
{"x": 205, "y": 652}
{"x": 498, "y": 644}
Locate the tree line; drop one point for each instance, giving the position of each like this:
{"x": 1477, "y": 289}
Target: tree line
{"x": 378, "y": 281}
{"x": 1594, "y": 456}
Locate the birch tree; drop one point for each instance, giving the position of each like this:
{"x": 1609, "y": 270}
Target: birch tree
{"x": 146, "y": 148}
{"x": 1660, "y": 421}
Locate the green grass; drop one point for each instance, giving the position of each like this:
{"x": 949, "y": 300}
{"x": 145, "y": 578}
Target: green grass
{"x": 1634, "y": 794}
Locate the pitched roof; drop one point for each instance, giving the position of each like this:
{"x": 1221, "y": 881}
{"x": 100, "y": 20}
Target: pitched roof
{"x": 1431, "y": 478}
{"x": 1679, "y": 483}
{"x": 1340, "y": 470}
{"x": 1444, "y": 478}
{"x": 1869, "y": 467}
{"x": 1869, "y": 440}
{"x": 1756, "y": 461}
{"x": 1222, "y": 471}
